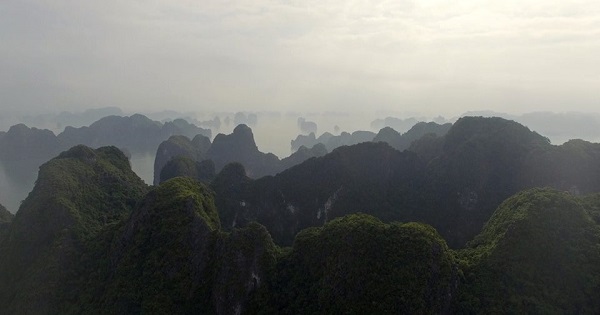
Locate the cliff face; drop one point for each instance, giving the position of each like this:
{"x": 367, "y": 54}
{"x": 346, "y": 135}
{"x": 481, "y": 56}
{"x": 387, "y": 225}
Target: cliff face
{"x": 170, "y": 256}
{"x": 76, "y": 245}
{"x": 159, "y": 261}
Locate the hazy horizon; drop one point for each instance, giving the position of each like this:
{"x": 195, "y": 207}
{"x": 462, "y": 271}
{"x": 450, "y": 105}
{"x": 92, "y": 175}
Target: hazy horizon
{"x": 363, "y": 60}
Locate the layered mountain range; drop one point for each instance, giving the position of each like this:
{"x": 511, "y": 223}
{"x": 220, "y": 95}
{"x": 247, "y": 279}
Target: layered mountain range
{"x": 237, "y": 147}
{"x": 457, "y": 223}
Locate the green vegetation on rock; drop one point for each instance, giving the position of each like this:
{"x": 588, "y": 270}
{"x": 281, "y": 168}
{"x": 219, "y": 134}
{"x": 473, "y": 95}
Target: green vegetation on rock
{"x": 538, "y": 254}
{"x": 184, "y": 166}
{"x": 169, "y": 256}
{"x": 358, "y": 265}
{"x": 76, "y": 196}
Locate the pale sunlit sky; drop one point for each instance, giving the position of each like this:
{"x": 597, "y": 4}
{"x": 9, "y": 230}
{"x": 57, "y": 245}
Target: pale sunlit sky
{"x": 436, "y": 57}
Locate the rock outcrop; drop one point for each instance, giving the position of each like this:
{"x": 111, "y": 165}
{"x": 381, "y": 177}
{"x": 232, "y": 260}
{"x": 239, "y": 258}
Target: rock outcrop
{"x": 403, "y": 141}
{"x": 239, "y": 146}
{"x": 179, "y": 146}
{"x": 77, "y": 195}
{"x": 537, "y": 254}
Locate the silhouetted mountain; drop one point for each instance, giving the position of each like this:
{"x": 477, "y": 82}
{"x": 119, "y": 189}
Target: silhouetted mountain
{"x": 24, "y": 149}
{"x": 77, "y": 194}
{"x": 180, "y": 146}
{"x": 302, "y": 155}
{"x": 307, "y": 141}
{"x": 22, "y": 142}
{"x": 403, "y": 142}
{"x": 369, "y": 177}
{"x": 249, "y": 119}
{"x": 137, "y": 133}
{"x": 93, "y": 238}
{"x": 428, "y": 146}
{"x": 479, "y": 167}
{"x": 237, "y": 147}
{"x": 538, "y": 254}
{"x": 332, "y": 142}
{"x": 240, "y": 147}
{"x": 85, "y": 118}
{"x": 559, "y": 127}
{"x": 453, "y": 182}
{"x": 306, "y": 126}
{"x": 387, "y": 134}
{"x": 573, "y": 166}
{"x": 398, "y": 124}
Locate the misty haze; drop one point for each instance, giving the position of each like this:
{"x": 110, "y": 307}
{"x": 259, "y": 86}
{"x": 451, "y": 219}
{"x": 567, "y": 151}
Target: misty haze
{"x": 299, "y": 157}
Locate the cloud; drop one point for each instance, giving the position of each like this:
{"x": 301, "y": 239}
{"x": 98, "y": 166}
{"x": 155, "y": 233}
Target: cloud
{"x": 440, "y": 55}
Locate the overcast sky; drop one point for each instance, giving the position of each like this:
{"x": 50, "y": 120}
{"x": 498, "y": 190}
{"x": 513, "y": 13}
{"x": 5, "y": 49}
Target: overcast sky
{"x": 431, "y": 56}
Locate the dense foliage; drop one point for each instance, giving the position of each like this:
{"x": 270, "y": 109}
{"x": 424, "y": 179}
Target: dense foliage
{"x": 359, "y": 265}
{"x": 539, "y": 253}
{"x": 77, "y": 194}
{"x": 92, "y": 238}
{"x": 184, "y": 166}
{"x": 170, "y": 256}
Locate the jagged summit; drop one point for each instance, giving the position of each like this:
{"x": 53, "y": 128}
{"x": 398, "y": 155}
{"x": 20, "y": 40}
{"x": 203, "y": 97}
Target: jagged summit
{"x": 240, "y": 142}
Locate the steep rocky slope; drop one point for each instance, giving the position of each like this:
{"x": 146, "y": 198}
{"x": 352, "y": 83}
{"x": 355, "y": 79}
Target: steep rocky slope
{"x": 537, "y": 254}
{"x": 76, "y": 195}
